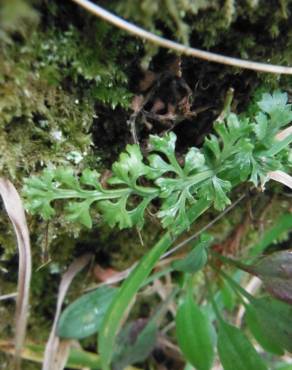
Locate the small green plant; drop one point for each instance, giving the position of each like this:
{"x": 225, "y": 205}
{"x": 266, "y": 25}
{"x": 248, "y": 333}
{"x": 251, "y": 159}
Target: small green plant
{"x": 246, "y": 148}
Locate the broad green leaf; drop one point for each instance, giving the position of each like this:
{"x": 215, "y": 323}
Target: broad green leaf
{"x": 257, "y": 328}
{"x": 279, "y": 288}
{"x": 84, "y": 316}
{"x": 235, "y": 350}
{"x": 121, "y": 302}
{"x": 228, "y": 296}
{"x": 277, "y": 264}
{"x": 275, "y": 270}
{"x": 275, "y": 320}
{"x": 196, "y": 259}
{"x": 195, "y": 334}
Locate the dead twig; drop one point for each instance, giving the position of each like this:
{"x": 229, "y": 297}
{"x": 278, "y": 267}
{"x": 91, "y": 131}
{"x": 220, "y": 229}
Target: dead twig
{"x": 8, "y": 296}
{"x": 177, "y": 47}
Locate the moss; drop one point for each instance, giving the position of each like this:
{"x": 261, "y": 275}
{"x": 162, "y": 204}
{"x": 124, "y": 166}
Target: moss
{"x": 54, "y": 80}
{"x": 250, "y": 30}
{"x": 48, "y": 101}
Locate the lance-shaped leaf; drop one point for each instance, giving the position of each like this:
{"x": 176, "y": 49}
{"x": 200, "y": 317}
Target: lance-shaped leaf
{"x": 275, "y": 270}
{"x": 195, "y": 334}
{"x": 258, "y": 329}
{"x": 227, "y": 295}
{"x": 83, "y": 317}
{"x": 274, "y": 319}
{"x": 118, "y": 309}
{"x": 259, "y": 332}
{"x": 235, "y": 350}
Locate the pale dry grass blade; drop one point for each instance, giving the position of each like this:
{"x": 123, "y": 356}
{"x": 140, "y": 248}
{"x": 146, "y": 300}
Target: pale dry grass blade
{"x": 8, "y": 296}
{"x": 62, "y": 354}
{"x": 54, "y": 356}
{"x": 284, "y": 133}
{"x": 252, "y": 286}
{"x": 15, "y": 211}
{"x": 282, "y": 177}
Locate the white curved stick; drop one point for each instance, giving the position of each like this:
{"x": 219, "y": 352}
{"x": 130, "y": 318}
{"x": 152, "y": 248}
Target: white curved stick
{"x": 179, "y": 48}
